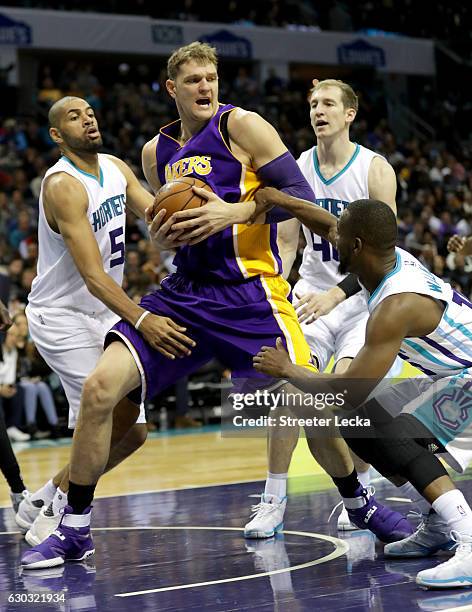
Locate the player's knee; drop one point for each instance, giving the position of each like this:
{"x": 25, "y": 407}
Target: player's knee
{"x": 97, "y": 394}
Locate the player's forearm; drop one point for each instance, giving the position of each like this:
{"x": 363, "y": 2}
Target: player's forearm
{"x": 316, "y": 219}
{"x": 105, "y": 289}
{"x": 355, "y": 391}
{"x": 241, "y": 212}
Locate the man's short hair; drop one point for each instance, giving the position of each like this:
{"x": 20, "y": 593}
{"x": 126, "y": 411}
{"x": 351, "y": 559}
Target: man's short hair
{"x": 348, "y": 96}
{"x": 201, "y": 53}
{"x": 374, "y": 222}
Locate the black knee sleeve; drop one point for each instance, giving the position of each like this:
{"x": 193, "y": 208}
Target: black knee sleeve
{"x": 401, "y": 447}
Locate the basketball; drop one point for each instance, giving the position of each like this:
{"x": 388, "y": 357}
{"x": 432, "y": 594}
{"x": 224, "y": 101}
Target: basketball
{"x": 178, "y": 195}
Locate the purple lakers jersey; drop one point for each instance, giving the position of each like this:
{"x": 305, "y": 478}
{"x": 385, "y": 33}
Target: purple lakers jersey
{"x": 240, "y": 251}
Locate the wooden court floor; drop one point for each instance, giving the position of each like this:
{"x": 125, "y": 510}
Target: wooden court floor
{"x": 167, "y": 462}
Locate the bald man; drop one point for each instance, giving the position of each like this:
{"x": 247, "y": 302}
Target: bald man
{"x": 77, "y": 295}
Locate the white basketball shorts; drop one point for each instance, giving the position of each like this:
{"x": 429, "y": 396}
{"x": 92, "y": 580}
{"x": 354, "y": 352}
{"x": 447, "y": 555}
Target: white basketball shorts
{"x": 71, "y": 343}
{"x": 340, "y": 333}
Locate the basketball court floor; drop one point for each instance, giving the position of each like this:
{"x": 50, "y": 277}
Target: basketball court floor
{"x": 168, "y": 535}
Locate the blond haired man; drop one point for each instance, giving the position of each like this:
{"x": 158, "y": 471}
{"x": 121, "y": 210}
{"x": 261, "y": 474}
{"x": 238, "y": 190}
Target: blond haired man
{"x": 339, "y": 171}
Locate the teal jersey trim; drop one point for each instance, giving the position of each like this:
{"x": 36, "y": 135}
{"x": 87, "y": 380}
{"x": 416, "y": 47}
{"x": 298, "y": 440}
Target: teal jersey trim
{"x": 340, "y": 173}
{"x": 457, "y": 343}
{"x": 398, "y": 265}
{"x": 100, "y": 180}
{"x": 427, "y": 355}
{"x": 458, "y": 326}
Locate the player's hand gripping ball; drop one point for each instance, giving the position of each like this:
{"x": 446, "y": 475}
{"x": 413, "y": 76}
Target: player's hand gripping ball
{"x": 179, "y": 195}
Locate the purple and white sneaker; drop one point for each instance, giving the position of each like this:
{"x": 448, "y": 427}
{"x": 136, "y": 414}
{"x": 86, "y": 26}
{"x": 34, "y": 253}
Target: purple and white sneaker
{"x": 71, "y": 541}
{"x": 367, "y": 513}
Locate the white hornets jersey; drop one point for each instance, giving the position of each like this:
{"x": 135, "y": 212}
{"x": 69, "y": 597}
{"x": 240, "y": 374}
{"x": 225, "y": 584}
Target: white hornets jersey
{"x": 320, "y": 258}
{"x": 59, "y": 283}
{"x": 448, "y": 349}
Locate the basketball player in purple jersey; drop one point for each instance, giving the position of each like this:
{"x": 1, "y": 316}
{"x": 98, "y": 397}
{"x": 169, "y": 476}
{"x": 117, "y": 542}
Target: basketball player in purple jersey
{"x": 227, "y": 290}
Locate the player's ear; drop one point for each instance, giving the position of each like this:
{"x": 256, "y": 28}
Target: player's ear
{"x": 357, "y": 246}
{"x": 170, "y": 86}
{"x": 55, "y": 135}
{"x": 350, "y": 115}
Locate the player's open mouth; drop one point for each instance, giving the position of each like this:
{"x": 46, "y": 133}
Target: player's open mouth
{"x": 204, "y": 102}
{"x": 93, "y": 132}
{"x": 321, "y": 123}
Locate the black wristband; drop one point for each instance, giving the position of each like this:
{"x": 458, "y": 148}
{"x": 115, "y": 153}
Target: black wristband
{"x": 350, "y": 285}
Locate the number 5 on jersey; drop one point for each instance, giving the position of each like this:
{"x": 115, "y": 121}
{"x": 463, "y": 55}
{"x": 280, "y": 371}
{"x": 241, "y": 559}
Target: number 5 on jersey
{"x": 117, "y": 246}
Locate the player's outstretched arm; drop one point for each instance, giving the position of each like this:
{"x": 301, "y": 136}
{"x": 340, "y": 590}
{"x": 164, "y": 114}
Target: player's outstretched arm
{"x": 66, "y": 204}
{"x": 390, "y": 323}
{"x": 315, "y": 218}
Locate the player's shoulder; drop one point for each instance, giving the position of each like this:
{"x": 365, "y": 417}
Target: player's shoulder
{"x": 240, "y": 118}
{"x": 150, "y": 145}
{"x": 59, "y": 180}
{"x": 390, "y": 318}
{"x": 63, "y": 192}
{"x": 376, "y": 161}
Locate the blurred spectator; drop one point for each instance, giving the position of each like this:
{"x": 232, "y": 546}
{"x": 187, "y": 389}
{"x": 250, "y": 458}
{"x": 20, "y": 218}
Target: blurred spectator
{"x": 35, "y": 388}
{"x": 11, "y": 396}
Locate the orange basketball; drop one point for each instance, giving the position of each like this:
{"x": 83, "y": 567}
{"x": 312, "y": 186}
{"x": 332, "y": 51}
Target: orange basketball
{"x": 178, "y": 195}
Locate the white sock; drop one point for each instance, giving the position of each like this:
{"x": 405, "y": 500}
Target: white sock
{"x": 45, "y": 493}
{"x": 409, "y": 491}
{"x": 453, "y": 508}
{"x": 364, "y": 478}
{"x": 276, "y": 484}
{"x": 59, "y": 502}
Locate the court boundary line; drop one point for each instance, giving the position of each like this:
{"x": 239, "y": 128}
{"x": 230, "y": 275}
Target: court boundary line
{"x": 340, "y": 549}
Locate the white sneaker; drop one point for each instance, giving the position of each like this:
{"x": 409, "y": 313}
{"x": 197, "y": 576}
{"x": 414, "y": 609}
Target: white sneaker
{"x": 431, "y": 536}
{"x": 344, "y": 523}
{"x": 17, "y": 498}
{"x": 27, "y": 512}
{"x": 42, "y": 527}
{"x": 16, "y": 435}
{"x": 456, "y": 572}
{"x": 267, "y": 517}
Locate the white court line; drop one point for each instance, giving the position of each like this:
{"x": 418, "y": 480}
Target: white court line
{"x": 341, "y": 548}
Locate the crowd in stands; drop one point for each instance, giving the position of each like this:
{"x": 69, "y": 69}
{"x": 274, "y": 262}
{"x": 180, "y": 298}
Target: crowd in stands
{"x": 442, "y": 20}
{"x": 434, "y": 179}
